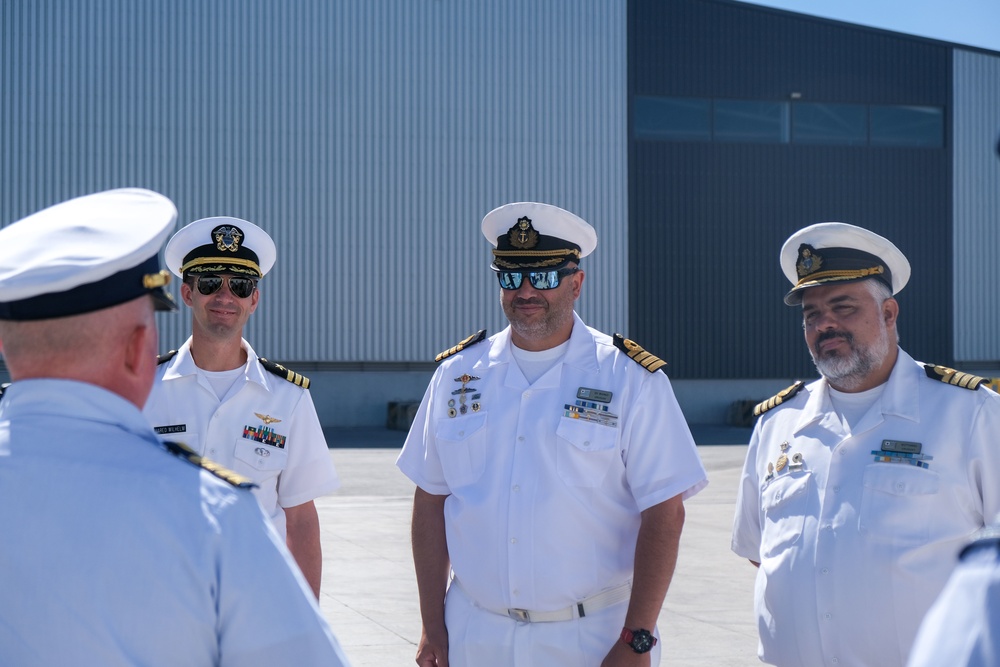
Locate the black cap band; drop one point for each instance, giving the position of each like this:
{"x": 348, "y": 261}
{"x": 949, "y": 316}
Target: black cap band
{"x": 144, "y": 278}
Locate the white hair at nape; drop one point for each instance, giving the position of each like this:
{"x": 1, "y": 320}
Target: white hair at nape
{"x": 880, "y": 292}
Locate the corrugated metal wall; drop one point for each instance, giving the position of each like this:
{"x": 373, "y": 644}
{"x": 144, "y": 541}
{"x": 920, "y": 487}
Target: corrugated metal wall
{"x": 368, "y": 136}
{"x": 977, "y": 209}
{"x": 707, "y": 219}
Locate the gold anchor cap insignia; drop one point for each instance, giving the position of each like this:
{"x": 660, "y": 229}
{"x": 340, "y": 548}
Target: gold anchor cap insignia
{"x": 522, "y": 235}
{"x": 267, "y": 419}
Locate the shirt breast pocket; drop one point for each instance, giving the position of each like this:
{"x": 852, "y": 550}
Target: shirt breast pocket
{"x": 461, "y": 447}
{"x": 785, "y": 503}
{"x": 585, "y": 451}
{"x": 258, "y": 461}
{"x": 897, "y": 500}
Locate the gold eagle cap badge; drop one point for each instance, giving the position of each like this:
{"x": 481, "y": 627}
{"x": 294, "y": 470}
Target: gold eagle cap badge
{"x": 227, "y": 237}
{"x": 267, "y": 419}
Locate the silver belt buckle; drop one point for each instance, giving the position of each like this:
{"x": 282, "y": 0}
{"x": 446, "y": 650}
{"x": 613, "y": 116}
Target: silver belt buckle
{"x": 519, "y": 615}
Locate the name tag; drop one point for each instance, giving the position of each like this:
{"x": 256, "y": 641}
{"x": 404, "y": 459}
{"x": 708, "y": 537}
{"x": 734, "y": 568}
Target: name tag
{"x": 901, "y": 446}
{"x": 598, "y": 395}
{"x": 173, "y": 428}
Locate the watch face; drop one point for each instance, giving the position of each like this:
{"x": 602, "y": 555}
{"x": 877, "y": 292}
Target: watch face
{"x": 642, "y": 641}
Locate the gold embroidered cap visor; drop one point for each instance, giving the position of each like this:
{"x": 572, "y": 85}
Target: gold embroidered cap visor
{"x": 85, "y": 254}
{"x": 530, "y": 236}
{"x": 836, "y": 252}
{"x": 220, "y": 245}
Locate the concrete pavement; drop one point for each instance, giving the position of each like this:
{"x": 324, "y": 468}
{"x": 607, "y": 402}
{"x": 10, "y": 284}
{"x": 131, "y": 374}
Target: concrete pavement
{"x": 369, "y": 592}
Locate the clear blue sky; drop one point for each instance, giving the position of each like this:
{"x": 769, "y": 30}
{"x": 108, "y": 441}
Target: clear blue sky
{"x": 971, "y": 22}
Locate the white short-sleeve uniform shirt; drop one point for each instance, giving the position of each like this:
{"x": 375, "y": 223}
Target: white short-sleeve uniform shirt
{"x": 265, "y": 428}
{"x": 854, "y": 551}
{"x": 118, "y": 553}
{"x": 543, "y": 496}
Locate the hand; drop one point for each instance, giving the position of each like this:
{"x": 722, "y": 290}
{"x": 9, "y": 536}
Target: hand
{"x": 432, "y": 651}
{"x": 622, "y": 655}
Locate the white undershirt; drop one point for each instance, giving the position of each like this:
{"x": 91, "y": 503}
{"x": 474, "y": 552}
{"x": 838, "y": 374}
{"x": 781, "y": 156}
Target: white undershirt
{"x": 851, "y": 407}
{"x": 222, "y": 381}
{"x": 536, "y": 364}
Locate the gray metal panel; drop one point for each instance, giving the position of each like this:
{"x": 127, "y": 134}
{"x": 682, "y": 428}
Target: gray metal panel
{"x": 368, "y": 136}
{"x": 977, "y": 208}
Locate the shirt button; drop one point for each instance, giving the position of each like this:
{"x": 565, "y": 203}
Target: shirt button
{"x": 586, "y": 443}
{"x": 825, "y": 571}
{"x": 836, "y": 489}
{"x": 835, "y": 661}
{"x": 828, "y": 616}
{"x": 520, "y": 438}
{"x": 900, "y": 486}
{"x": 515, "y": 592}
{"x": 513, "y": 540}
{"x": 516, "y": 488}
{"x": 842, "y": 452}
{"x": 461, "y": 432}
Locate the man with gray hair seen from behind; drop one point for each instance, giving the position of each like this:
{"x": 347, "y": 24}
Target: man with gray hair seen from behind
{"x": 551, "y": 462}
{"x": 120, "y": 551}
{"x": 860, "y": 488}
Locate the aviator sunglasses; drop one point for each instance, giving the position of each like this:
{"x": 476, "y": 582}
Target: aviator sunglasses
{"x": 540, "y": 280}
{"x": 241, "y": 287}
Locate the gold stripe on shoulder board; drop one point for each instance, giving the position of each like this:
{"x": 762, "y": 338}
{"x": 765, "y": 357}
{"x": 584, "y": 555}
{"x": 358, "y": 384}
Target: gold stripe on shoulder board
{"x": 778, "y": 398}
{"x": 297, "y": 379}
{"x": 477, "y": 337}
{"x": 953, "y": 377}
{"x": 650, "y": 362}
{"x": 182, "y": 451}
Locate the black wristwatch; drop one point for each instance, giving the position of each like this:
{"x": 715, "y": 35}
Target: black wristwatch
{"x": 641, "y": 640}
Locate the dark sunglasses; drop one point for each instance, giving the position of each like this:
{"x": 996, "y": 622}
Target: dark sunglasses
{"x": 540, "y": 280}
{"x": 241, "y": 287}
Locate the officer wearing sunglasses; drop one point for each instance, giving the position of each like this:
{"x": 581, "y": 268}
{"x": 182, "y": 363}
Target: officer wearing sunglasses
{"x": 228, "y": 404}
{"x": 551, "y": 461}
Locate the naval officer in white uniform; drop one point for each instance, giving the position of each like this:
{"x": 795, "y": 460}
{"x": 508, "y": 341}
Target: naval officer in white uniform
{"x": 551, "y": 462}
{"x": 219, "y": 398}
{"x": 860, "y": 488}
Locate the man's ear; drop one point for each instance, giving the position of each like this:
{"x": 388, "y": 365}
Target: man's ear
{"x": 186, "y": 293}
{"x": 890, "y": 311}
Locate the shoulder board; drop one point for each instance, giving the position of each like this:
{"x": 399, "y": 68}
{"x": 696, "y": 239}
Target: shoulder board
{"x": 477, "y": 337}
{"x": 650, "y": 362}
{"x": 182, "y": 451}
{"x": 165, "y": 357}
{"x": 778, "y": 398}
{"x": 951, "y": 376}
{"x": 3, "y": 388}
{"x": 297, "y": 379}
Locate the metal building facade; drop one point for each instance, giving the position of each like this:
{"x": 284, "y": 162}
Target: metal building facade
{"x": 708, "y": 218}
{"x": 976, "y": 210}
{"x": 368, "y": 137}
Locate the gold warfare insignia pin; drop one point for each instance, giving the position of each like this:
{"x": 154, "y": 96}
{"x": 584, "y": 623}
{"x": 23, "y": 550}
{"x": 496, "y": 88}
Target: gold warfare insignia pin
{"x": 781, "y": 463}
{"x": 522, "y": 235}
{"x": 227, "y": 237}
{"x": 267, "y": 419}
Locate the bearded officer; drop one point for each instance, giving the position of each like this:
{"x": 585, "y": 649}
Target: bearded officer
{"x": 551, "y": 462}
{"x": 859, "y": 488}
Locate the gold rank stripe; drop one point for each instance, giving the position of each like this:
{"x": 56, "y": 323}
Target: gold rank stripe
{"x": 470, "y": 340}
{"x": 635, "y": 352}
{"x": 297, "y": 379}
{"x": 778, "y": 398}
{"x": 953, "y": 377}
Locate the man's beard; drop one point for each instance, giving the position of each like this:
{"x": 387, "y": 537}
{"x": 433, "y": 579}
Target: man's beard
{"x": 555, "y": 316}
{"x": 850, "y": 372}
